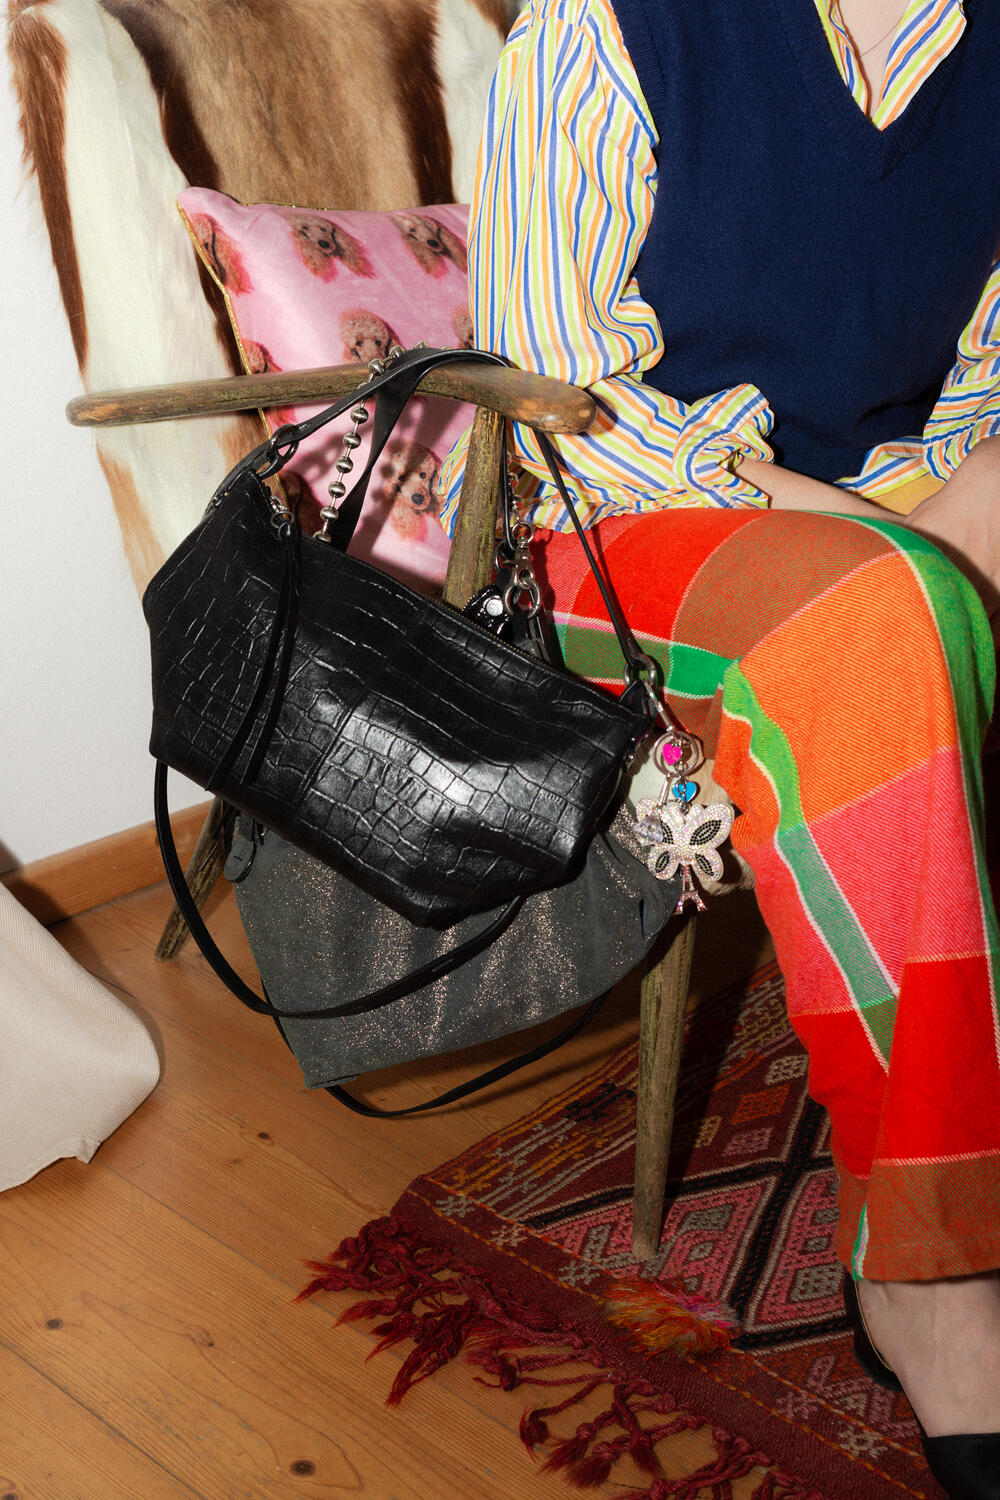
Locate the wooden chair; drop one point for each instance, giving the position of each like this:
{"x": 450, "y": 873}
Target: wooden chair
{"x": 498, "y": 395}
{"x": 125, "y": 102}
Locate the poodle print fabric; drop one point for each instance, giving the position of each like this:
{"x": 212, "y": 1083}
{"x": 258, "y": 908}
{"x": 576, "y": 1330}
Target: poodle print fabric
{"x": 307, "y": 288}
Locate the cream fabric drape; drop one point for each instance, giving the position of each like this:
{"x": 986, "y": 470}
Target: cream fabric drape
{"x": 74, "y": 1061}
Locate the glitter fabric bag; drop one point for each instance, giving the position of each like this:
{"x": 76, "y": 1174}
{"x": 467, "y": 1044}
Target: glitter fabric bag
{"x": 343, "y": 969}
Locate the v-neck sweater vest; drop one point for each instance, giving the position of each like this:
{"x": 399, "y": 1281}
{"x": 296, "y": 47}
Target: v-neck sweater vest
{"x": 795, "y": 246}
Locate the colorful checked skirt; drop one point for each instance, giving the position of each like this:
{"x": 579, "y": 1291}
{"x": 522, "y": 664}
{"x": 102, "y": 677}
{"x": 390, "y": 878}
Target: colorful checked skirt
{"x": 841, "y": 673}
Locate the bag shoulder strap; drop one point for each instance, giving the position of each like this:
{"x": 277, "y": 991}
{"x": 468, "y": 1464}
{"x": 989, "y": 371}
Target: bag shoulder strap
{"x": 482, "y": 1080}
{"x": 437, "y": 969}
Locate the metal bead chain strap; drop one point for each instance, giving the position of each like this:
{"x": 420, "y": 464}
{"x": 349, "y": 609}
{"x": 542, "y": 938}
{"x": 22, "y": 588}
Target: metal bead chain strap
{"x": 351, "y": 440}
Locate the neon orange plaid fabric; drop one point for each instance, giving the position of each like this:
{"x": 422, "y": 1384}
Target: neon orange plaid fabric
{"x": 841, "y": 672}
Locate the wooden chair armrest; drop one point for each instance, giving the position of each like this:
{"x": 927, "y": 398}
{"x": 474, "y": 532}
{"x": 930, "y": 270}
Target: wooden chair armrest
{"x": 538, "y": 400}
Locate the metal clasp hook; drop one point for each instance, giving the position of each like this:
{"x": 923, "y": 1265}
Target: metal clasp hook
{"x": 281, "y": 446}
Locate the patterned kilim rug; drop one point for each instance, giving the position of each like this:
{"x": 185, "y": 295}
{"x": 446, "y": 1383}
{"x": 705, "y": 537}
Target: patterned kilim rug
{"x": 517, "y": 1255}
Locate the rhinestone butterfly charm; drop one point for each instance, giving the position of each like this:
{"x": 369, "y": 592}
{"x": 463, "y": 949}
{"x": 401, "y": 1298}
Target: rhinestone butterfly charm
{"x": 681, "y": 835}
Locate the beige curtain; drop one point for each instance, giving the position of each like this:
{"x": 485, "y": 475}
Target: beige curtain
{"x": 74, "y": 1061}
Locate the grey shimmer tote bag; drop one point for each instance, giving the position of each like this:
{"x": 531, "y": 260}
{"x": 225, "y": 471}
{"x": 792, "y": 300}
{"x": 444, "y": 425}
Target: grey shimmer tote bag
{"x": 320, "y": 941}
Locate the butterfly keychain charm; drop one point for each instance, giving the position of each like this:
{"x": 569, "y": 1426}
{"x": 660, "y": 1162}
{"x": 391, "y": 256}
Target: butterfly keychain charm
{"x": 680, "y": 834}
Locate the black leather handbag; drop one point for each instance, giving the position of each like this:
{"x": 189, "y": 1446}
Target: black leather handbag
{"x": 320, "y": 697}
{"x": 441, "y": 768}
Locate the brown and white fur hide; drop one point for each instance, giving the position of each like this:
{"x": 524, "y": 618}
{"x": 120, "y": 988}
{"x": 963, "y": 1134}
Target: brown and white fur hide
{"x": 317, "y": 103}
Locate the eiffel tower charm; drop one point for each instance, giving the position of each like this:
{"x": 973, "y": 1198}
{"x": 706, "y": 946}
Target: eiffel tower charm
{"x": 689, "y": 892}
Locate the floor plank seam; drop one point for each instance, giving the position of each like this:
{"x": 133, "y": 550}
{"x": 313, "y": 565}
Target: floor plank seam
{"x": 109, "y": 1427}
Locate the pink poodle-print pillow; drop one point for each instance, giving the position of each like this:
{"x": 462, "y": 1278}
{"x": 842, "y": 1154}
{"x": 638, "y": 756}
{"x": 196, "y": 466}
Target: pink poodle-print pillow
{"x": 306, "y": 288}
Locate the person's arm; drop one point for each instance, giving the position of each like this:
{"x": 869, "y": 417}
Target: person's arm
{"x": 564, "y": 192}
{"x": 960, "y": 446}
{"x": 962, "y": 518}
{"x": 968, "y": 408}
{"x": 787, "y": 490}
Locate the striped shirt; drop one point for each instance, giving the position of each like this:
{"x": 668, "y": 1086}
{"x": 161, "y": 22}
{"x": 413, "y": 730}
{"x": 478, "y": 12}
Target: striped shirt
{"x": 564, "y": 193}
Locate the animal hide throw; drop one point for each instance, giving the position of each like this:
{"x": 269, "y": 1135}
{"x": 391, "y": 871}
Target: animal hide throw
{"x": 330, "y": 103}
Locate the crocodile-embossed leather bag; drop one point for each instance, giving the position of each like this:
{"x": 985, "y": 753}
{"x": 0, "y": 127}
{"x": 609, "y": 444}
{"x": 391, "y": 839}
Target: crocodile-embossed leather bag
{"x": 443, "y": 769}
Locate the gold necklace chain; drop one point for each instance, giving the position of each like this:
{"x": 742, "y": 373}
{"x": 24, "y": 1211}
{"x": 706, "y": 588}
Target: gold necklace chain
{"x": 881, "y": 39}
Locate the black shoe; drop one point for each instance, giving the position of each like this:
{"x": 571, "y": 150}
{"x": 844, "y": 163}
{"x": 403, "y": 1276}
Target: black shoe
{"x": 966, "y": 1464}
{"x": 865, "y": 1352}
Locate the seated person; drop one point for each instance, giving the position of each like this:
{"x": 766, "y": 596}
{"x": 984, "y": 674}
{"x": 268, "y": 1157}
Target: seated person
{"x": 765, "y": 238}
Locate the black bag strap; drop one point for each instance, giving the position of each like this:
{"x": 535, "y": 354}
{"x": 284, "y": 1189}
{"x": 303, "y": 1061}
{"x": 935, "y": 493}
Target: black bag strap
{"x": 392, "y": 387}
{"x": 639, "y": 667}
{"x": 392, "y": 391}
{"x": 437, "y": 969}
{"x": 273, "y": 674}
{"x": 482, "y": 1080}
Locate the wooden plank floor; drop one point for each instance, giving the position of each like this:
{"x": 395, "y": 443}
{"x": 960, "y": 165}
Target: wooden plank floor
{"x": 150, "y": 1348}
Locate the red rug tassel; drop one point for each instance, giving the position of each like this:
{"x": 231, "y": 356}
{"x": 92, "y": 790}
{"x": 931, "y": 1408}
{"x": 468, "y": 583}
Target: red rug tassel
{"x": 777, "y": 1486}
{"x": 735, "y": 1458}
{"x": 668, "y": 1319}
{"x": 594, "y": 1471}
{"x": 438, "y": 1339}
{"x": 421, "y": 1295}
{"x": 571, "y": 1450}
{"x": 534, "y": 1431}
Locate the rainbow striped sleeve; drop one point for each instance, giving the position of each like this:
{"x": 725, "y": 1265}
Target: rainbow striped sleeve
{"x": 969, "y": 405}
{"x": 563, "y": 195}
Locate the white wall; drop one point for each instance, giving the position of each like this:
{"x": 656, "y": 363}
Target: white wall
{"x": 74, "y": 669}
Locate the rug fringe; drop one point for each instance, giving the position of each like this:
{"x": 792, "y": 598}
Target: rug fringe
{"x": 447, "y": 1308}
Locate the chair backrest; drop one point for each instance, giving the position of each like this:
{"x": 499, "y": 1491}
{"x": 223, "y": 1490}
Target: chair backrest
{"x": 347, "y": 104}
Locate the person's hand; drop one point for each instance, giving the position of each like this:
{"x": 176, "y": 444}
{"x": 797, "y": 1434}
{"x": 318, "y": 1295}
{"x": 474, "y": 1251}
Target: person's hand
{"x": 963, "y": 519}
{"x": 787, "y": 490}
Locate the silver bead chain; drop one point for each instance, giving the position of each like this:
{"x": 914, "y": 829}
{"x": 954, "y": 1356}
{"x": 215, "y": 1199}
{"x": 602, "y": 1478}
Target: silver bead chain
{"x": 351, "y": 440}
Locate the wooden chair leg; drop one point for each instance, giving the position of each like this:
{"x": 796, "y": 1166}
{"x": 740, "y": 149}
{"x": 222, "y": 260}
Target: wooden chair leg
{"x": 663, "y": 1007}
{"x": 470, "y": 564}
{"x": 202, "y": 872}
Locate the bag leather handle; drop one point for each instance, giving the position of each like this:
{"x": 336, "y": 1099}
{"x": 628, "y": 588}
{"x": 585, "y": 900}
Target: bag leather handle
{"x": 399, "y": 381}
{"x": 393, "y": 388}
{"x": 392, "y": 391}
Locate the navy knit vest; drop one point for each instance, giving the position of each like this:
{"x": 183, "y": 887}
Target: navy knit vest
{"x": 795, "y": 246}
